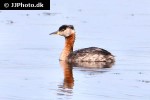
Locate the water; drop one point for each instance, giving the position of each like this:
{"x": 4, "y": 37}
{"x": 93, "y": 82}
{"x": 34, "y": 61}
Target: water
{"x": 29, "y": 66}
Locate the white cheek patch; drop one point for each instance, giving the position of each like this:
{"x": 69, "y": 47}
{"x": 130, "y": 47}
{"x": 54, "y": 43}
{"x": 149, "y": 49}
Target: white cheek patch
{"x": 73, "y": 31}
{"x": 67, "y": 32}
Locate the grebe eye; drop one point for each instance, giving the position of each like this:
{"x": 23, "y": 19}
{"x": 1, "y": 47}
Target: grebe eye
{"x": 62, "y": 30}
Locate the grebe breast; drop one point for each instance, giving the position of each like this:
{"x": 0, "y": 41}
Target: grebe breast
{"x": 91, "y": 54}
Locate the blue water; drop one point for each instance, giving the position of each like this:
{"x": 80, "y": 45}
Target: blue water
{"x": 29, "y": 65}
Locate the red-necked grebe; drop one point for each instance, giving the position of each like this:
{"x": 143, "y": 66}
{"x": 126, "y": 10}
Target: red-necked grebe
{"x": 91, "y": 54}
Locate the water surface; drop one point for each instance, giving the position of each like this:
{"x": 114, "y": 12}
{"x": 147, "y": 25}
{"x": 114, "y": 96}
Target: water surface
{"x": 29, "y": 65}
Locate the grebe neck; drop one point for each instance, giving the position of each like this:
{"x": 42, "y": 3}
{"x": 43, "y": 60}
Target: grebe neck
{"x": 69, "y": 43}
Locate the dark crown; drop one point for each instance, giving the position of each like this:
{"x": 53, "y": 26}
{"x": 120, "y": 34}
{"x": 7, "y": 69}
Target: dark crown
{"x": 63, "y": 27}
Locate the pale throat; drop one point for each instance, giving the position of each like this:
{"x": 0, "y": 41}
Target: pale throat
{"x": 69, "y": 43}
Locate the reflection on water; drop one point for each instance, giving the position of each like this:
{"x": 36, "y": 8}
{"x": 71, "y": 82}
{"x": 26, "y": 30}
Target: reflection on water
{"x": 93, "y": 64}
{"x": 68, "y": 83}
{"x": 67, "y": 87}
{"x": 68, "y": 75}
{"x": 93, "y": 68}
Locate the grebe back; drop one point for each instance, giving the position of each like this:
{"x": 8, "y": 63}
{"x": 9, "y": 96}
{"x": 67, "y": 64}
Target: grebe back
{"x": 91, "y": 54}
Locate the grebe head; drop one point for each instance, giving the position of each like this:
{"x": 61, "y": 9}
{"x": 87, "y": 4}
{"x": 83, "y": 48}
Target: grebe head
{"x": 64, "y": 30}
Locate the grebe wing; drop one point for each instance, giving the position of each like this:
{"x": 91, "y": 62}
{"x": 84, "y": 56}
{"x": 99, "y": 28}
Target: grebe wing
{"x": 90, "y": 54}
{"x": 93, "y": 50}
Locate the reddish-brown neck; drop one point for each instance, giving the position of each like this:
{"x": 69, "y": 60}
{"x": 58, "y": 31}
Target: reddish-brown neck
{"x": 69, "y": 42}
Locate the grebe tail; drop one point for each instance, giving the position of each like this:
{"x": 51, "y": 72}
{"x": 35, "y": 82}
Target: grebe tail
{"x": 91, "y": 54}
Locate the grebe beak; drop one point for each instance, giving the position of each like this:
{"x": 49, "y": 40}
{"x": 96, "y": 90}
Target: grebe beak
{"x": 53, "y": 33}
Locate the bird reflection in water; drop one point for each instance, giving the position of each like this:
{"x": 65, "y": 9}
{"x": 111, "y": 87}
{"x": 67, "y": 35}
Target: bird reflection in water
{"x": 68, "y": 83}
{"x": 68, "y": 75}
